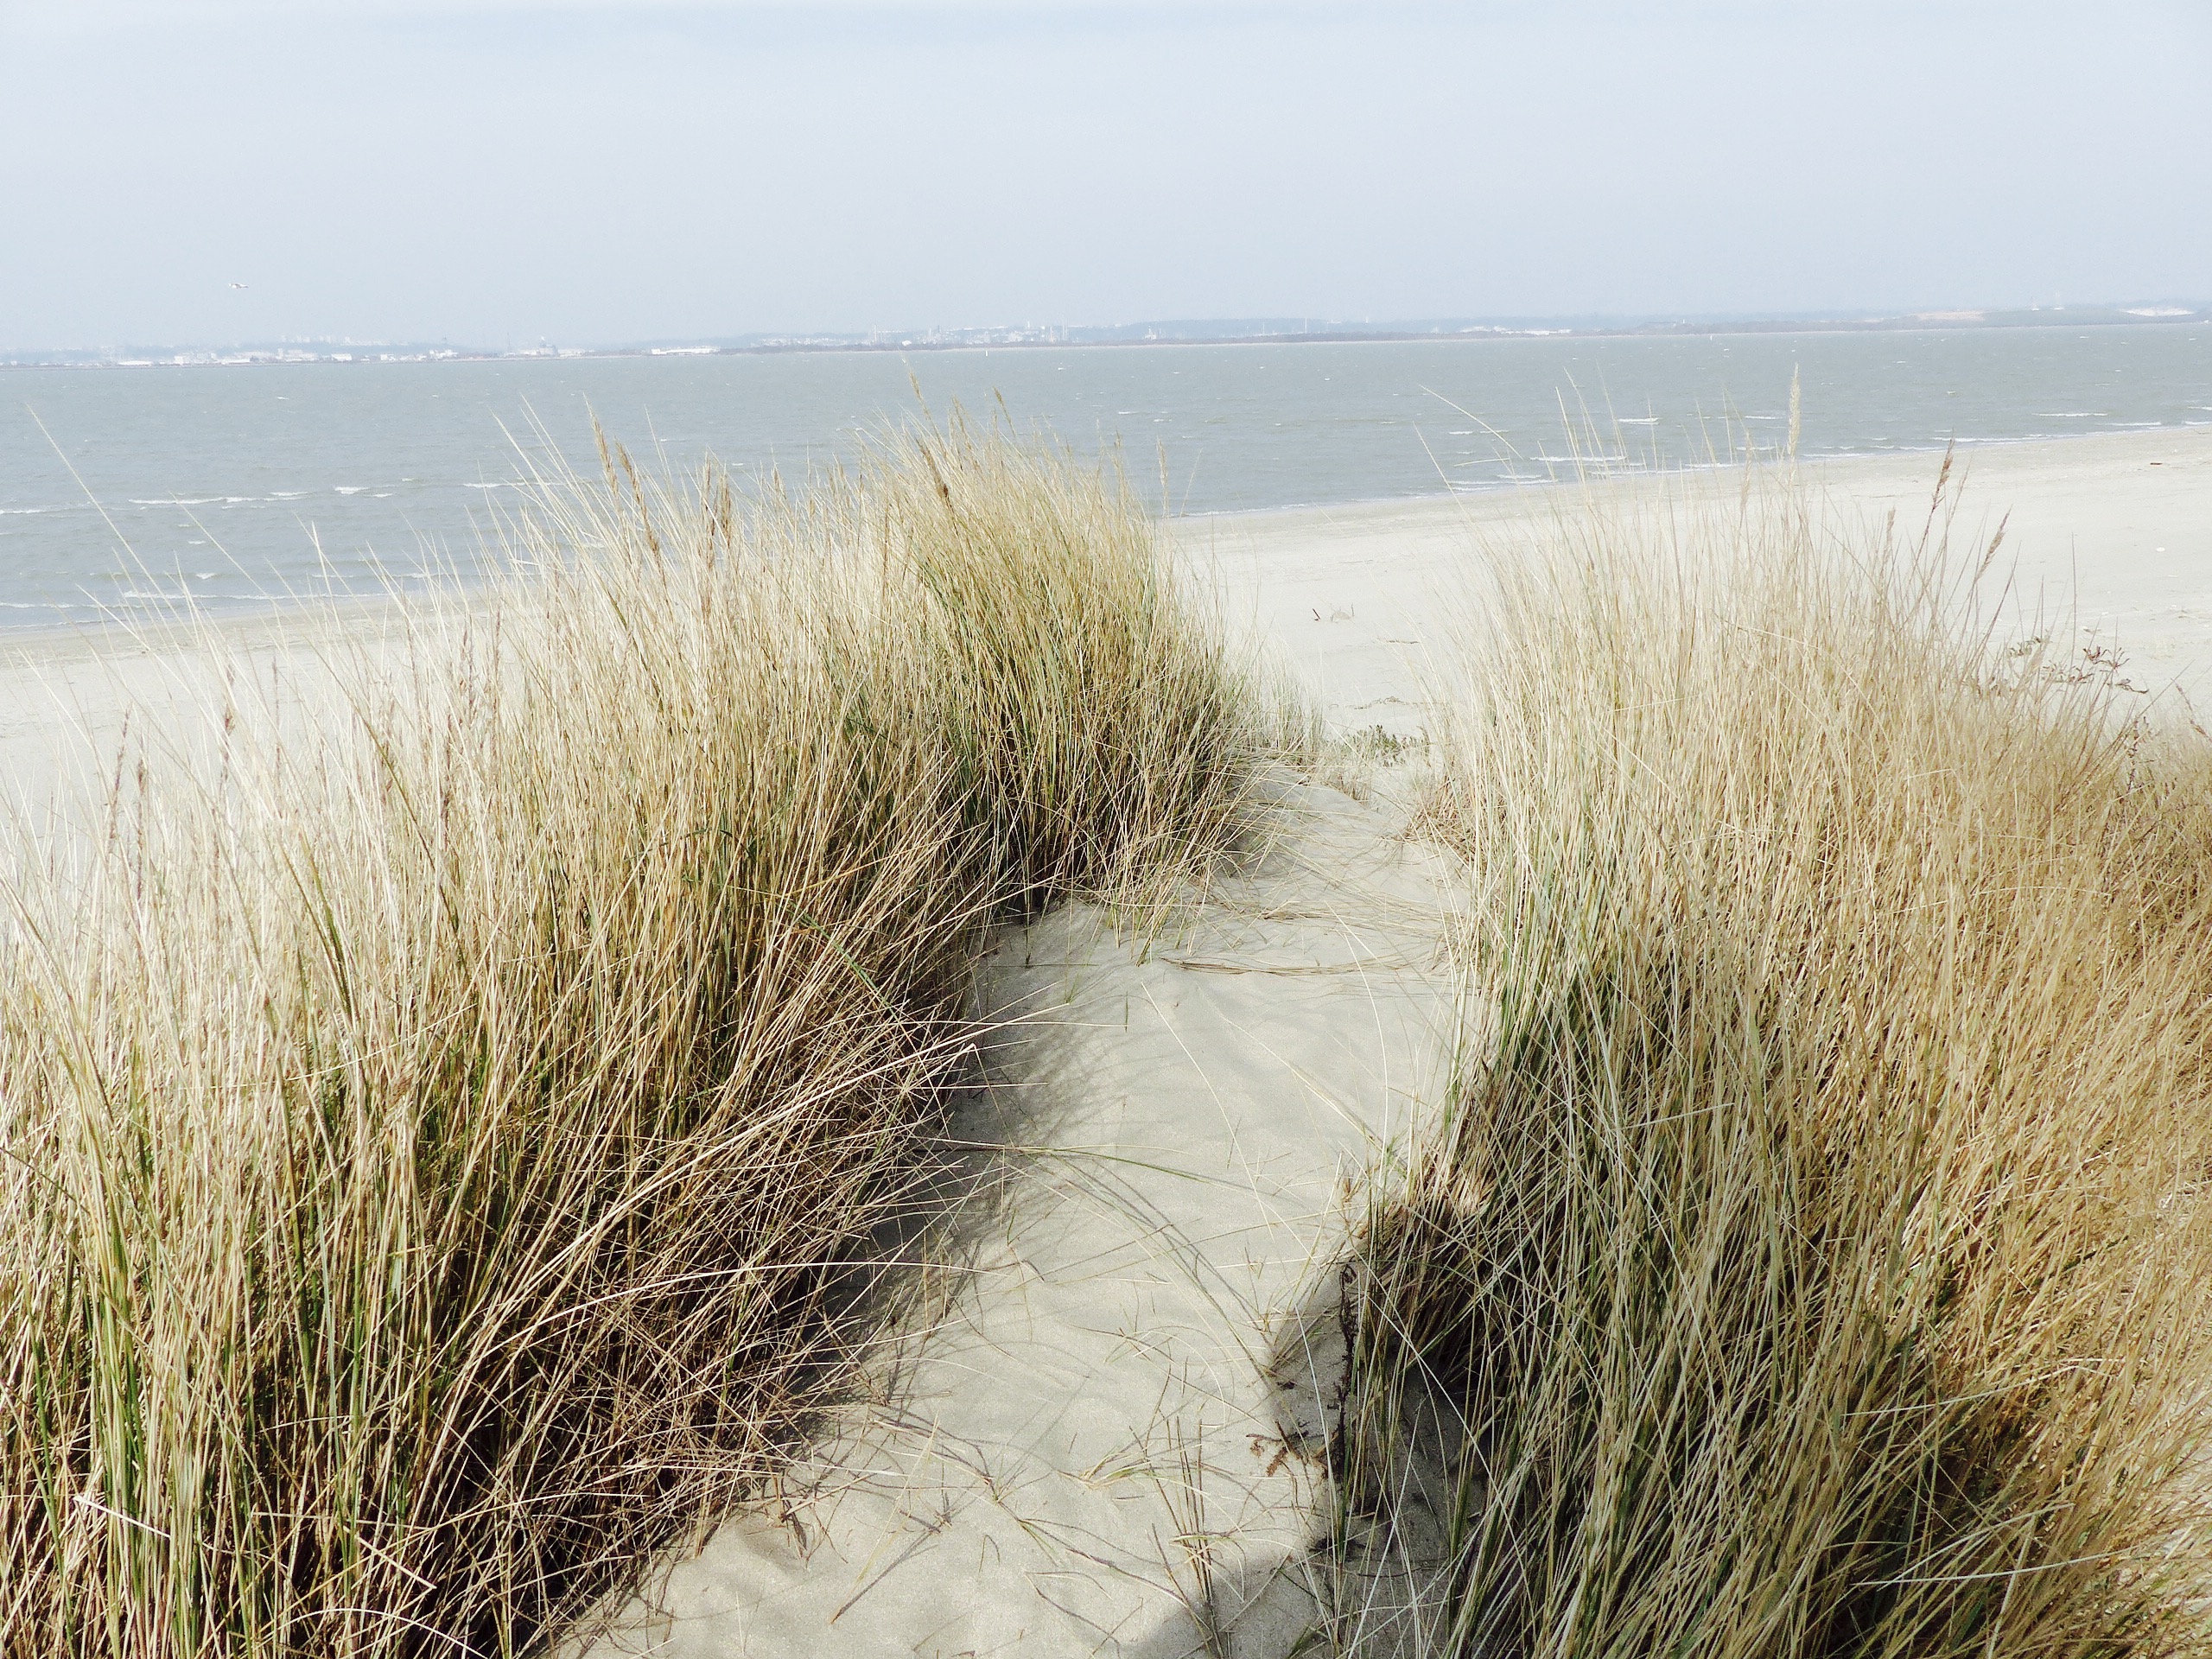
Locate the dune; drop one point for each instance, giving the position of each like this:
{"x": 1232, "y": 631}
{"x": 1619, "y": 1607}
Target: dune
{"x": 1811, "y": 1261}
{"x": 1100, "y": 1425}
{"x": 1106, "y": 1440}
{"x": 474, "y": 1062}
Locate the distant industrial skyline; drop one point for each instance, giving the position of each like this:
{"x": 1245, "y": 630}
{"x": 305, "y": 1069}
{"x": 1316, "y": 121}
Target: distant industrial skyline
{"x": 215, "y": 172}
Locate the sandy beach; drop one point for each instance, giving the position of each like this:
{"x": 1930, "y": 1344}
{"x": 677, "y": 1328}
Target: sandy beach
{"x": 1106, "y": 1440}
{"x": 2109, "y": 535}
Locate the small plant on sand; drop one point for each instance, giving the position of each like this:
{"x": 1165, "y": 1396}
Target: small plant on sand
{"x": 438, "y": 1147}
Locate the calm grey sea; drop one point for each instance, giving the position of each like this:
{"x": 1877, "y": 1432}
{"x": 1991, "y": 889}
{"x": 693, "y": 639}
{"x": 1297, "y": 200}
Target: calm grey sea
{"x": 228, "y": 484}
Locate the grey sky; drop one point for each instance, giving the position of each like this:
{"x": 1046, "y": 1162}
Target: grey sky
{"x": 489, "y": 170}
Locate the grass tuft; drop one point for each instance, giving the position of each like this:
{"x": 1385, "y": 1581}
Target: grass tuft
{"x": 1815, "y": 1261}
{"x": 439, "y": 1147}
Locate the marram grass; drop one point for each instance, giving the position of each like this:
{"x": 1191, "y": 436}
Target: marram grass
{"x": 436, "y": 1151}
{"x": 1815, "y": 1261}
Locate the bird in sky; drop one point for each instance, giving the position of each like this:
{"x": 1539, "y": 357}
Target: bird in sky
{"x": 238, "y": 284}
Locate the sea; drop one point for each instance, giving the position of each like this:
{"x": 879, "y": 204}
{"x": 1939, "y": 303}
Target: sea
{"x": 132, "y": 493}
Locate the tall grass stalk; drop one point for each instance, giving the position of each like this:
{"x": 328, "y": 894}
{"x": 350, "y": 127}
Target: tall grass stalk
{"x": 1816, "y": 1261}
{"x": 438, "y": 1149}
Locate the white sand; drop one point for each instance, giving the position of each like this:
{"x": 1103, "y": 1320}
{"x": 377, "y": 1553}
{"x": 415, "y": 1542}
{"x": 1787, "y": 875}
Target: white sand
{"x": 1103, "y": 1407}
{"x": 66, "y": 697}
{"x": 2118, "y": 528}
{"x": 1113, "y": 1438}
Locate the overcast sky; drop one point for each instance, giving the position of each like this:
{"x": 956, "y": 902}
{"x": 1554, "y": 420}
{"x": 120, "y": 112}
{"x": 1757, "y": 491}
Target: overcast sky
{"x": 487, "y": 171}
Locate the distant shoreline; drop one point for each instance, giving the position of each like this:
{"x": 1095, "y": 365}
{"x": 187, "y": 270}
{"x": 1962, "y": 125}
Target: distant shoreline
{"x": 1903, "y": 454}
{"x": 1869, "y": 469}
{"x": 1058, "y": 338}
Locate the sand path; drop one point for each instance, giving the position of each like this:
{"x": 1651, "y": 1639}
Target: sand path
{"x": 1111, "y": 1442}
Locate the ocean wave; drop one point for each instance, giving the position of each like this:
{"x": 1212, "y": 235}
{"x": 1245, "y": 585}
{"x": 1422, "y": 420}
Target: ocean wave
{"x": 2072, "y": 413}
{"x": 183, "y": 500}
{"x": 350, "y": 489}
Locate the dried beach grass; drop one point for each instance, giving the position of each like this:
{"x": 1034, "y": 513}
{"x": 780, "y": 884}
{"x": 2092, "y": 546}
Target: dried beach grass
{"x": 438, "y": 1154}
{"x": 1815, "y": 1261}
